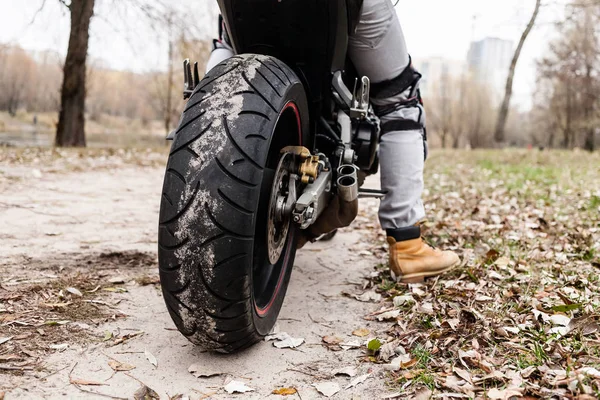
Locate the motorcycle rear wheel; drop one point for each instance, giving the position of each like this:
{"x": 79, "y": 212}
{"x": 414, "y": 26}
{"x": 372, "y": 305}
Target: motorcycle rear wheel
{"x": 219, "y": 286}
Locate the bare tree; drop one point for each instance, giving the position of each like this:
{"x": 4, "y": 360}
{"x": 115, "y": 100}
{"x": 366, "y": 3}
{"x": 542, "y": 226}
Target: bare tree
{"x": 503, "y": 114}
{"x": 569, "y": 78}
{"x": 461, "y": 111}
{"x": 71, "y": 125}
{"x": 71, "y": 119}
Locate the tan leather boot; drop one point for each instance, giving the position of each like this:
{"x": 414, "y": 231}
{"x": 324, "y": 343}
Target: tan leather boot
{"x": 412, "y": 260}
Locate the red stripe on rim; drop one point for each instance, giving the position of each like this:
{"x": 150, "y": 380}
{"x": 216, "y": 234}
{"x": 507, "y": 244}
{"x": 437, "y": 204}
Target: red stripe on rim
{"x": 263, "y": 311}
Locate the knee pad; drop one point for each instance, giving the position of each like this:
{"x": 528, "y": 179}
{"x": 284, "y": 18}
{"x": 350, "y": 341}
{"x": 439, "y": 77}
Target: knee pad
{"x": 402, "y": 90}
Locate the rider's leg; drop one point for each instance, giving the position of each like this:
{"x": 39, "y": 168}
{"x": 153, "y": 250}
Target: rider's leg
{"x": 378, "y": 50}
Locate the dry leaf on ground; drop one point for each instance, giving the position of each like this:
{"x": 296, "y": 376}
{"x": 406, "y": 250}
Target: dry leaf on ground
{"x": 237, "y": 387}
{"x": 327, "y": 389}
{"x": 203, "y": 371}
{"x": 285, "y": 391}
{"x": 151, "y": 358}
{"x": 357, "y": 381}
{"x": 5, "y": 339}
{"x": 349, "y": 371}
{"x": 368, "y": 297}
{"x": 506, "y": 394}
{"x": 422, "y": 394}
{"x": 284, "y": 340}
{"x": 119, "y": 366}
{"x": 362, "y": 332}
{"x": 145, "y": 393}
{"x": 331, "y": 339}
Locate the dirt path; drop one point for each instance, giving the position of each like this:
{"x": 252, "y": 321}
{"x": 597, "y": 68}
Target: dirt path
{"x": 95, "y": 232}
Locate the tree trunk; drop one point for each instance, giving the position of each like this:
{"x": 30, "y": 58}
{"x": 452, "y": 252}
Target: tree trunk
{"x": 503, "y": 115}
{"x": 589, "y": 144}
{"x": 169, "y": 107}
{"x": 70, "y": 131}
{"x": 455, "y": 141}
{"x": 589, "y": 95}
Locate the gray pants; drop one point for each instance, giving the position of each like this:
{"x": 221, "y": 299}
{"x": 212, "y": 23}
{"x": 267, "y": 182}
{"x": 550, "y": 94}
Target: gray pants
{"x": 378, "y": 50}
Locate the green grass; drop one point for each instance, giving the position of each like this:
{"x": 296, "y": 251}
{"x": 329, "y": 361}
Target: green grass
{"x": 540, "y": 210}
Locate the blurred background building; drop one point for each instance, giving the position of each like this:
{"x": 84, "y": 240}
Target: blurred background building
{"x": 489, "y": 60}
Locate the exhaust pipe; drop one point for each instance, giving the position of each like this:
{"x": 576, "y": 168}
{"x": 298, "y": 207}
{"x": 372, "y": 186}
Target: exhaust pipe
{"x": 347, "y": 183}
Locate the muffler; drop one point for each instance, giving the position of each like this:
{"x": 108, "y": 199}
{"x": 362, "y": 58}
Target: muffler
{"x": 342, "y": 209}
{"x": 347, "y": 182}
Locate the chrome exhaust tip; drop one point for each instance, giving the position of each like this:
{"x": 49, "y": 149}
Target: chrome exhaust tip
{"x": 347, "y": 183}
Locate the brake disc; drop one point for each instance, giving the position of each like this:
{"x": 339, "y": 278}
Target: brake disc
{"x": 279, "y": 218}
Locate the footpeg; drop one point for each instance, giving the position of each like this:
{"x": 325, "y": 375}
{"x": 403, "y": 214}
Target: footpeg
{"x": 371, "y": 193}
{"x": 189, "y": 81}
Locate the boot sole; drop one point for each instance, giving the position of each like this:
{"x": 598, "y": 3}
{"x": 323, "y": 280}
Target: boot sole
{"x": 420, "y": 277}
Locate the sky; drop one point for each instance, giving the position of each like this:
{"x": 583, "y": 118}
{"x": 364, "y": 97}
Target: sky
{"x": 433, "y": 28}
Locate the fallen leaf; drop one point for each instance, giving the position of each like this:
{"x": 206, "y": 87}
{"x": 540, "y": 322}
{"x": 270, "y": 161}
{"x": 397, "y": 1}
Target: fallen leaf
{"x": 399, "y": 301}
{"x": 402, "y": 361}
{"x": 285, "y": 391}
{"x": 353, "y": 344}
{"x": 203, "y": 371}
{"x": 560, "y": 320}
{"x": 369, "y": 297}
{"x": 460, "y": 386}
{"x": 567, "y": 307}
{"x": 237, "y": 387}
{"x": 331, "y": 339}
{"x": 491, "y": 256}
{"x": 389, "y": 315}
{"x": 593, "y": 372}
{"x": 5, "y": 339}
{"x": 145, "y": 393}
{"x": 362, "y": 332}
{"x": 119, "y": 366}
{"x": 426, "y": 308}
{"x": 466, "y": 375}
{"x": 502, "y": 262}
{"x": 117, "y": 280}
{"x": 284, "y": 340}
{"x": 506, "y": 394}
{"x": 349, "y": 371}
{"x": 74, "y": 291}
{"x": 374, "y": 344}
{"x": 388, "y": 350}
{"x": 422, "y": 394}
{"x": 327, "y": 389}
{"x": 151, "y": 358}
{"x": 357, "y": 381}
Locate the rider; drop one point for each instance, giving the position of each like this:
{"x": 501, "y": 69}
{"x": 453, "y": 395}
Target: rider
{"x": 378, "y": 51}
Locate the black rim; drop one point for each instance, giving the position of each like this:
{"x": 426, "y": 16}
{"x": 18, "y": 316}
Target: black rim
{"x": 267, "y": 277}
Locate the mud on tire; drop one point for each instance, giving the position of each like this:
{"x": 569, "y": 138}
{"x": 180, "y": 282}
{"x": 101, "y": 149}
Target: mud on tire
{"x": 212, "y": 206}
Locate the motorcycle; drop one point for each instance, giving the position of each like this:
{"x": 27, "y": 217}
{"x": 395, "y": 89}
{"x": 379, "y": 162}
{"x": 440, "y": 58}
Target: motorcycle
{"x": 268, "y": 140}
